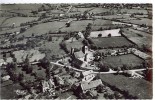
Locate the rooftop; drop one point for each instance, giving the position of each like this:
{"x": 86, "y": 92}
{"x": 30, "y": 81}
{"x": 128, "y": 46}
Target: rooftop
{"x": 92, "y": 84}
{"x": 79, "y": 54}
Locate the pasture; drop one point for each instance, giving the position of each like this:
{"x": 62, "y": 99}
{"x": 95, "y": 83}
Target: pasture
{"x": 43, "y": 28}
{"x": 138, "y": 37}
{"x": 111, "y": 42}
{"x": 20, "y": 6}
{"x": 141, "y": 21}
{"x": 139, "y": 88}
{"x": 75, "y": 44}
{"x": 53, "y": 48}
{"x": 8, "y": 89}
{"x": 18, "y": 20}
{"x": 118, "y": 61}
{"x": 81, "y": 25}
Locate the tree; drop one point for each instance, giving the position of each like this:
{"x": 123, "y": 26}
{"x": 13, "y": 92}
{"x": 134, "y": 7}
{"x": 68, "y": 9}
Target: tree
{"x": 14, "y": 59}
{"x": 45, "y": 62}
{"x": 27, "y": 66}
{"x": 93, "y": 46}
{"x": 50, "y": 38}
{"x": 66, "y": 37}
{"x": 109, "y": 35}
{"x": 14, "y": 76}
{"x": 34, "y": 73}
{"x": 118, "y": 95}
{"x": 99, "y": 35}
{"x": 100, "y": 88}
{"x": 85, "y": 42}
{"x": 21, "y": 76}
{"x": 48, "y": 73}
{"x": 100, "y": 29}
{"x": 32, "y": 35}
{"x": 64, "y": 47}
{"x": 43, "y": 15}
{"x": 29, "y": 69}
{"x": 88, "y": 30}
{"x": 103, "y": 67}
{"x": 144, "y": 64}
{"x": 22, "y": 30}
{"x": 68, "y": 24}
{"x": 125, "y": 67}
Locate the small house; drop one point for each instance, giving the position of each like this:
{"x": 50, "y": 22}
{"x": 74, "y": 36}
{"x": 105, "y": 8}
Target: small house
{"x": 79, "y": 54}
{"x": 89, "y": 86}
{"x": 88, "y": 76}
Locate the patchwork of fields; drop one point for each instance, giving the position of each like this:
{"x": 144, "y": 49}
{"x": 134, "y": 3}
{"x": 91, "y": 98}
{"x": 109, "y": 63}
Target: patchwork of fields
{"x": 50, "y": 31}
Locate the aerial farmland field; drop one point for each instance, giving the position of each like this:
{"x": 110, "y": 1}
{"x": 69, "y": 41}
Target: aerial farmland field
{"x": 138, "y": 37}
{"x": 138, "y": 88}
{"x": 146, "y": 21}
{"x": 81, "y": 25}
{"x": 131, "y": 11}
{"x": 128, "y": 60}
{"x": 17, "y": 21}
{"x": 111, "y": 42}
{"x": 53, "y": 46}
{"x": 20, "y": 7}
{"x": 44, "y": 28}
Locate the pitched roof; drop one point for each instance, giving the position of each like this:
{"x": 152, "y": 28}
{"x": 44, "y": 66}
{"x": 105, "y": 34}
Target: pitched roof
{"x": 87, "y": 72}
{"x": 79, "y": 54}
{"x": 77, "y": 62}
{"x": 92, "y": 84}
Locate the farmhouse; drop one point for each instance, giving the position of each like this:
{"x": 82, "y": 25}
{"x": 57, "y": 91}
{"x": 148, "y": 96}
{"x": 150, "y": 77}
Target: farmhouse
{"x": 87, "y": 86}
{"x": 105, "y": 33}
{"x": 88, "y": 76}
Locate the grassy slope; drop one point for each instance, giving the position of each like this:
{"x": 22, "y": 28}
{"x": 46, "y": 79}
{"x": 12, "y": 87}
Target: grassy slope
{"x": 18, "y": 20}
{"x": 112, "y": 41}
{"x": 136, "y": 87}
{"x": 129, "y": 60}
